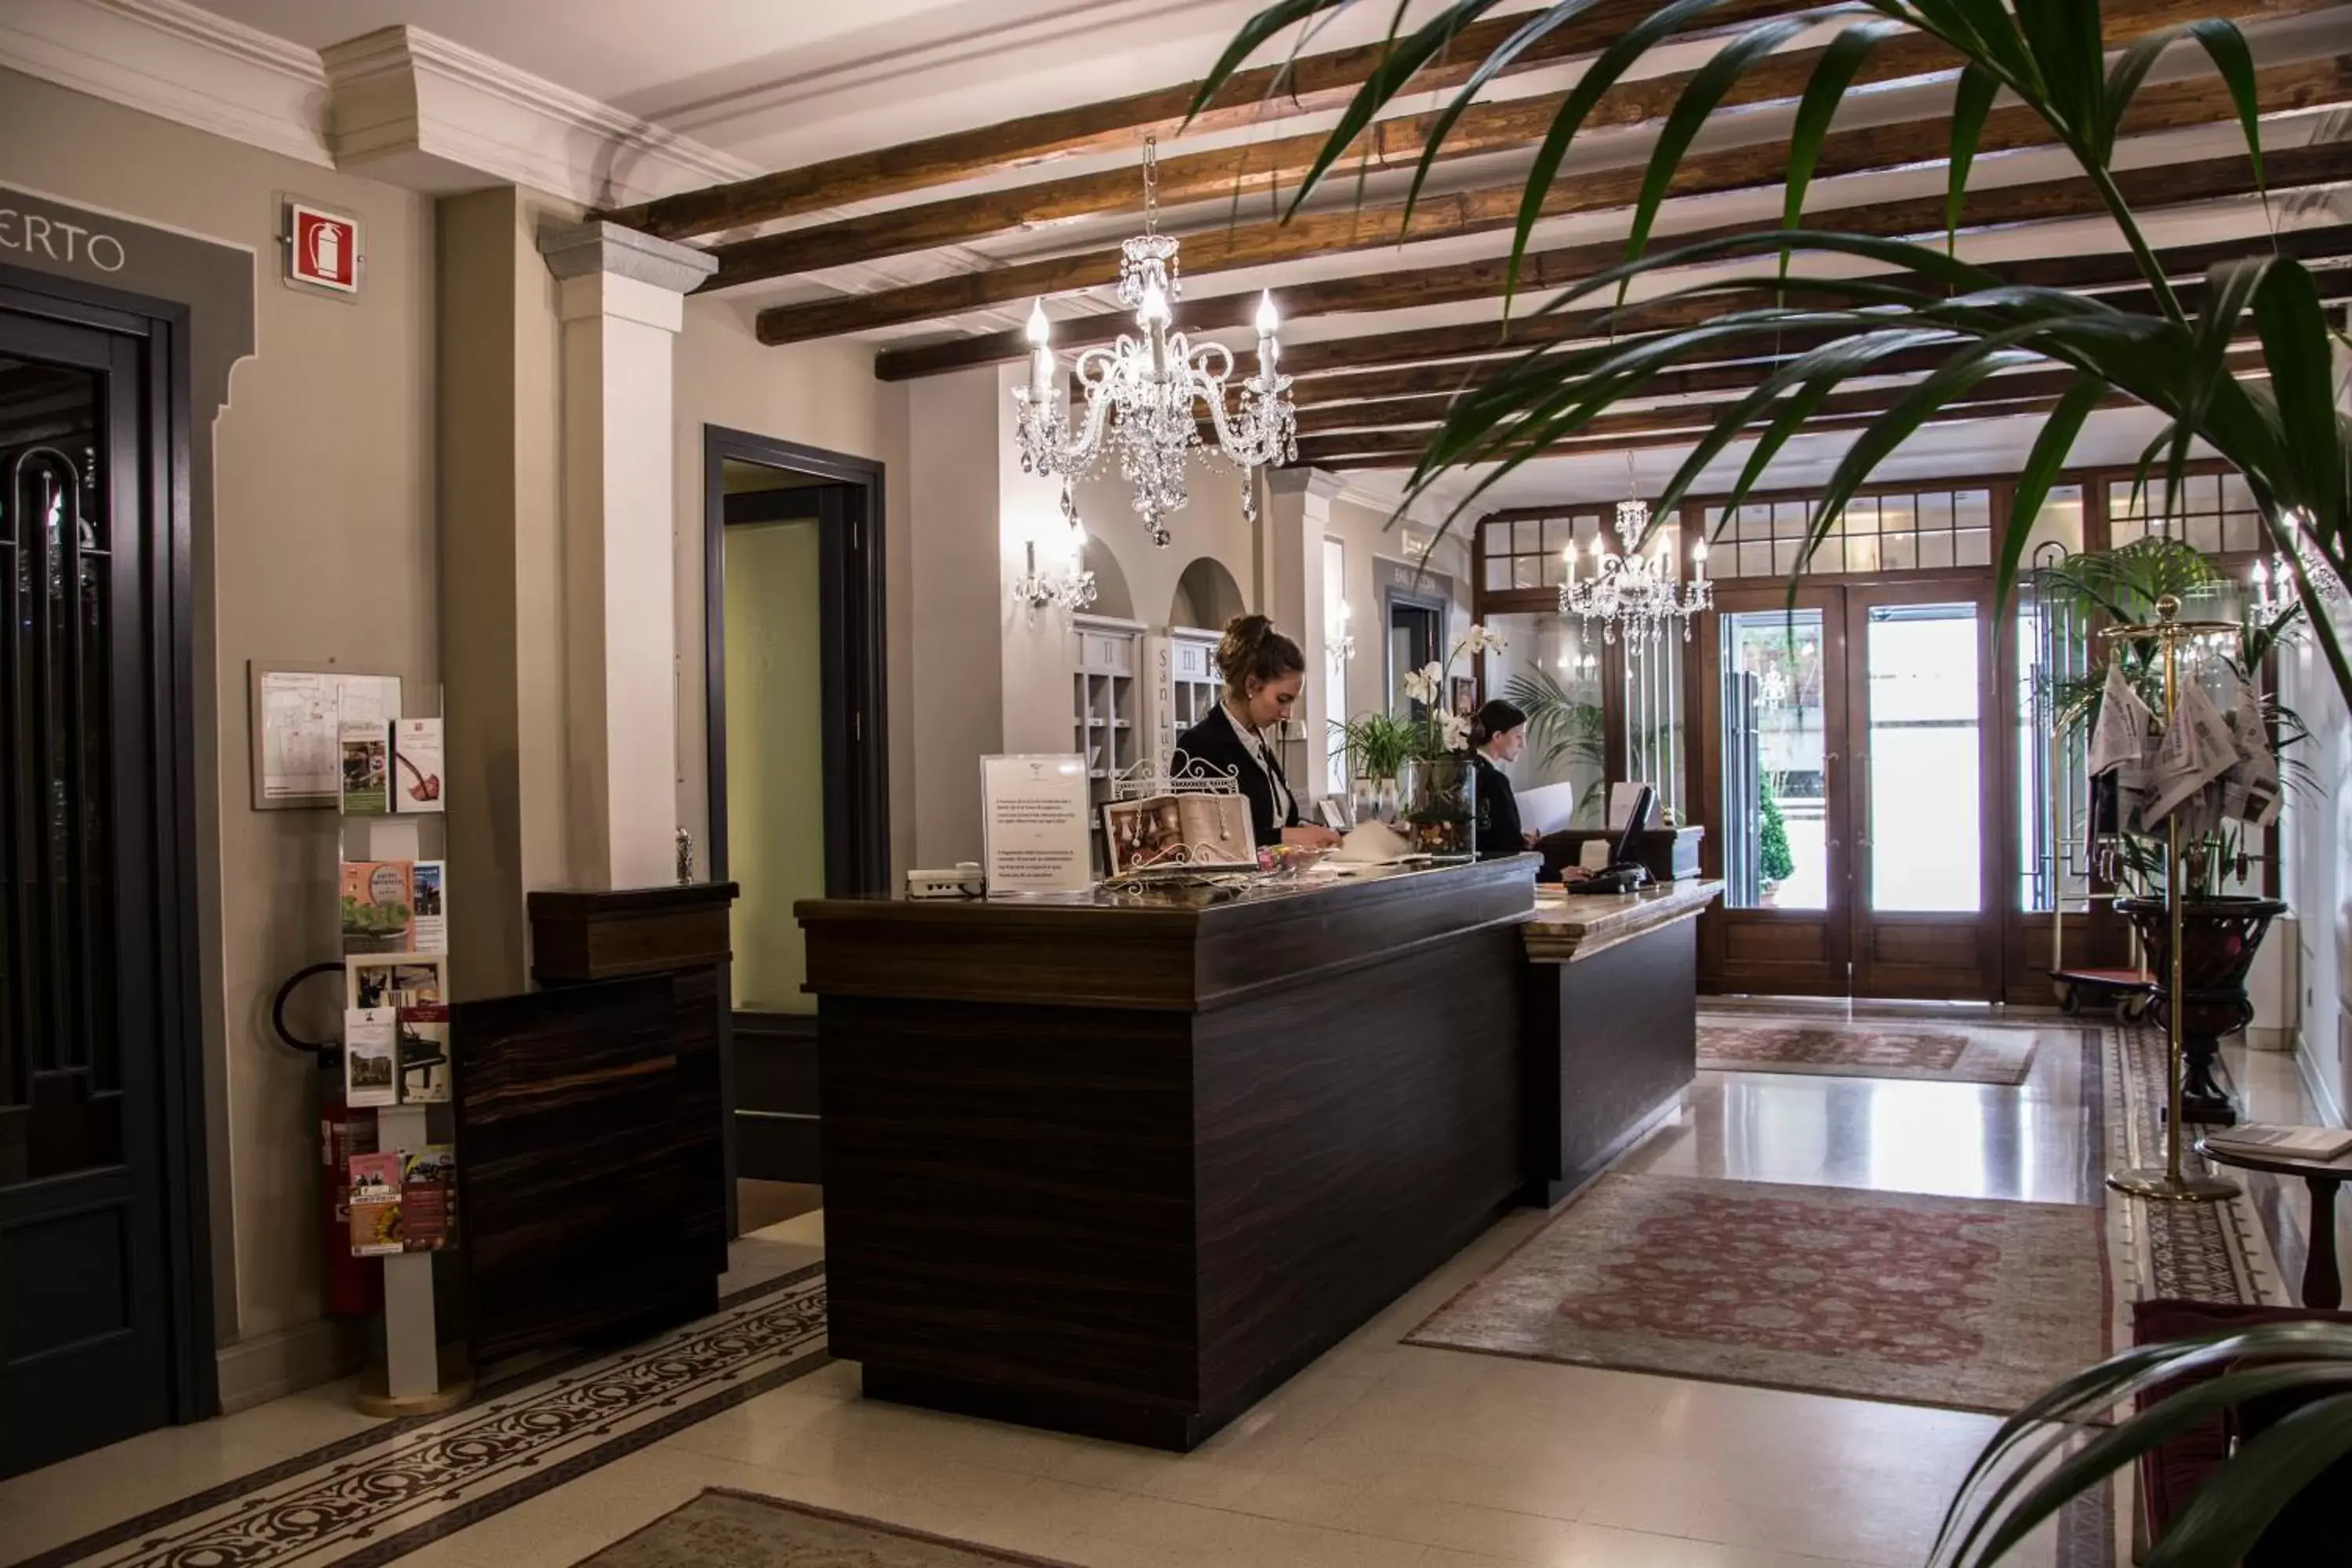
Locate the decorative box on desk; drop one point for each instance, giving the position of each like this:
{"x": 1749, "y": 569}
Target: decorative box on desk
{"x": 1671, "y": 854}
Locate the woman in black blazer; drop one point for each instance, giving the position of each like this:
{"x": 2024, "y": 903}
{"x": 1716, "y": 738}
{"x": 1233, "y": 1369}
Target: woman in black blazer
{"x": 1498, "y": 734}
{"x": 1262, "y": 671}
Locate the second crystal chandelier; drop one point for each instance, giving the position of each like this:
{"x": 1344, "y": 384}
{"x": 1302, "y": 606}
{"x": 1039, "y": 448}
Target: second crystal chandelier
{"x": 1640, "y": 592}
{"x": 1140, "y": 392}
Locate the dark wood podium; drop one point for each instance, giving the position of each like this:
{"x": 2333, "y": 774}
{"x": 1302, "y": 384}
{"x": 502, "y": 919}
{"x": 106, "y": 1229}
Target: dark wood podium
{"x": 1122, "y": 1168}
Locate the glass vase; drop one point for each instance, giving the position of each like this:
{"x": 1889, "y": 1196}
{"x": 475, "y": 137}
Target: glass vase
{"x": 1440, "y": 807}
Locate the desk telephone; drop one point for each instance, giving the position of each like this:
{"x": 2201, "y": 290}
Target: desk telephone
{"x": 1625, "y": 874}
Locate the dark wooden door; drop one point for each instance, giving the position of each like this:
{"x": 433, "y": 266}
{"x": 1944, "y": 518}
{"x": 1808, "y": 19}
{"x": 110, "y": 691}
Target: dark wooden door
{"x": 1787, "y": 932}
{"x": 87, "y": 936}
{"x": 1923, "y": 800}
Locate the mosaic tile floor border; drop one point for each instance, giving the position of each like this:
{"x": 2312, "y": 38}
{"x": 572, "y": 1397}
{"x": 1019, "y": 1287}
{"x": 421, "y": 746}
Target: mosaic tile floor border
{"x": 374, "y": 1497}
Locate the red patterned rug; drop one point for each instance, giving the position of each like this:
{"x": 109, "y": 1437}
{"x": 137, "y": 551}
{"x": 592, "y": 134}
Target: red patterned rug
{"x": 1965, "y": 1303}
{"x": 1836, "y": 1048}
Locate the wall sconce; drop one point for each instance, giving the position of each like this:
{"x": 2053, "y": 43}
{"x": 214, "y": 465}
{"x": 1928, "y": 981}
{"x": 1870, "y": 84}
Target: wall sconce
{"x": 1341, "y": 646}
{"x": 1067, "y": 587}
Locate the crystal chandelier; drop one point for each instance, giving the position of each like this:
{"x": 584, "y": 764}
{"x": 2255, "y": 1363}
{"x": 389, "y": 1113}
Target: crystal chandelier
{"x": 1640, "y": 592}
{"x": 1140, "y": 392}
{"x": 2275, "y": 587}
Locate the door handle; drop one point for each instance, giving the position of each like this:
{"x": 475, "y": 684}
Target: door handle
{"x": 1861, "y": 766}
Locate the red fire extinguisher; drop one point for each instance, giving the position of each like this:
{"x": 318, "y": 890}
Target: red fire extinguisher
{"x": 348, "y": 1287}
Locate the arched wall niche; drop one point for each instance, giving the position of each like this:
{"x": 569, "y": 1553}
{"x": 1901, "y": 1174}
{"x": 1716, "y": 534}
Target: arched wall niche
{"x": 1206, "y": 596}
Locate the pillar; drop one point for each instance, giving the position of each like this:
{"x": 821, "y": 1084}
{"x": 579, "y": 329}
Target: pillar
{"x": 621, "y": 300}
{"x": 1298, "y": 516}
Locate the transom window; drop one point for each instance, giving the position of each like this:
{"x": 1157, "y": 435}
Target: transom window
{"x": 1531, "y": 552}
{"x": 1894, "y": 531}
{"x": 2215, "y": 513}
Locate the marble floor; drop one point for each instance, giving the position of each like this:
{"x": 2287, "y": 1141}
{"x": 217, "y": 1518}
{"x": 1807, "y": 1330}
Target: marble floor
{"x": 1378, "y": 1455}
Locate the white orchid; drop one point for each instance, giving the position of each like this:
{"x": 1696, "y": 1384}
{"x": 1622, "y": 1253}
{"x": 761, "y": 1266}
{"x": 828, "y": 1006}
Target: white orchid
{"x": 1455, "y": 730}
{"x": 1424, "y": 685}
{"x": 1481, "y": 640}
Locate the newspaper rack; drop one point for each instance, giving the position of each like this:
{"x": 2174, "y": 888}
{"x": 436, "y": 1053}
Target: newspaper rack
{"x": 2168, "y": 1182}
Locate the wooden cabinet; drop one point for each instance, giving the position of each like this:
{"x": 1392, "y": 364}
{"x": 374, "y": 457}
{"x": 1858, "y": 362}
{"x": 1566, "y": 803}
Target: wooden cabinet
{"x": 1184, "y": 686}
{"x": 1106, "y": 705}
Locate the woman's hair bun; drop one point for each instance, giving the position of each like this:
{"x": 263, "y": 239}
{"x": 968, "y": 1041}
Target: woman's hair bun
{"x": 1251, "y": 649}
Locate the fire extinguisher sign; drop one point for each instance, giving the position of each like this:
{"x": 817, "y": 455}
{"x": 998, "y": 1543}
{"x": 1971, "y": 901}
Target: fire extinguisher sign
{"x": 322, "y": 248}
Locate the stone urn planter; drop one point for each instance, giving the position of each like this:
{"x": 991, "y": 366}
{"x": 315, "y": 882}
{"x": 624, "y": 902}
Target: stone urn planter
{"x": 2219, "y": 940}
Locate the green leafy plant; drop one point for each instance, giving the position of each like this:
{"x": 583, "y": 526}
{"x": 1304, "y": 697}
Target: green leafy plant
{"x": 1908, "y": 305}
{"x": 2048, "y": 1453}
{"x": 1378, "y": 744}
{"x": 1565, "y": 731}
{"x": 1779, "y": 863}
{"x": 1443, "y": 732}
{"x": 2121, "y": 587}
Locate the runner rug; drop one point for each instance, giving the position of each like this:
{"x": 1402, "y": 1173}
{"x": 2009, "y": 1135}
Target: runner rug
{"x": 1966, "y": 1302}
{"x": 1864, "y": 1048}
{"x": 724, "y": 1529}
{"x": 370, "y": 1499}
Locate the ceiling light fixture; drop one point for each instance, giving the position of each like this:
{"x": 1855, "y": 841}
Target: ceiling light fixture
{"x": 1140, "y": 392}
{"x": 1640, "y": 592}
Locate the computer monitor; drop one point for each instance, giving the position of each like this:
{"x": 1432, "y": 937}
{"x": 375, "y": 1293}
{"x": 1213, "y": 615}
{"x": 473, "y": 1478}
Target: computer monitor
{"x": 1637, "y": 822}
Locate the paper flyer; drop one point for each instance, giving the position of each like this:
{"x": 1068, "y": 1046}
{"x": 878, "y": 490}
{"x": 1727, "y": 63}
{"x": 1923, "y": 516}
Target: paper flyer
{"x": 416, "y": 765}
{"x": 379, "y": 912}
{"x": 430, "y": 932}
{"x": 428, "y": 1197}
{"x": 365, "y": 764}
{"x": 370, "y": 1075}
{"x": 375, "y": 1205}
{"x": 424, "y": 1053}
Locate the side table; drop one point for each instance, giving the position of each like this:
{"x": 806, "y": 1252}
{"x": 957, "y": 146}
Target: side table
{"x": 2323, "y": 1284}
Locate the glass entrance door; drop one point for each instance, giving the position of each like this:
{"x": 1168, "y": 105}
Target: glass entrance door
{"x": 1773, "y": 689}
{"x": 1923, "y": 711}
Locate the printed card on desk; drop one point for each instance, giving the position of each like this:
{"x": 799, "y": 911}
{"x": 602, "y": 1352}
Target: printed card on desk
{"x": 430, "y": 932}
{"x": 416, "y": 765}
{"x": 375, "y": 1205}
{"x": 424, "y": 1053}
{"x": 370, "y": 1076}
{"x": 379, "y": 912}
{"x": 366, "y": 764}
{"x": 428, "y": 1197}
{"x": 1203, "y": 832}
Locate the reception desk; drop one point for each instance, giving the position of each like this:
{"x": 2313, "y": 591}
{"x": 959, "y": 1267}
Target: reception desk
{"x": 1121, "y": 1167}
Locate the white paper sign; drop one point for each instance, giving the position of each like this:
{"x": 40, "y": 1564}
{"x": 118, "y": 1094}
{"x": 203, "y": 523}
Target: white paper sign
{"x": 1035, "y": 821}
{"x": 297, "y": 718}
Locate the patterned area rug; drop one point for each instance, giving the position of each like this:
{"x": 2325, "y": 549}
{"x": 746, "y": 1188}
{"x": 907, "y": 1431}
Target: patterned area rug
{"x": 1963, "y": 1302}
{"x": 388, "y": 1492}
{"x": 724, "y": 1529}
{"x": 1882, "y": 1049}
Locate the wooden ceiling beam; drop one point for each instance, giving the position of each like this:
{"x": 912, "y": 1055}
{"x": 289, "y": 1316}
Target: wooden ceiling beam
{"x": 1232, "y": 172}
{"x": 1487, "y": 209}
{"x": 1547, "y": 271}
{"x": 1307, "y": 84}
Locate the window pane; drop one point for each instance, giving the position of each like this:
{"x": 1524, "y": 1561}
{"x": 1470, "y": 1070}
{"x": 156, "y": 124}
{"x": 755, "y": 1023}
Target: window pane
{"x": 1972, "y": 509}
{"x": 1899, "y": 552}
{"x": 1498, "y": 539}
{"x": 1527, "y": 536}
{"x": 1755, "y": 559}
{"x": 1557, "y": 532}
{"x": 1784, "y": 556}
{"x": 2236, "y": 496}
{"x": 2204, "y": 492}
{"x": 1788, "y": 518}
{"x": 1935, "y": 549}
{"x": 1896, "y": 514}
{"x": 1862, "y": 552}
{"x": 1861, "y": 517}
{"x": 2238, "y": 532}
{"x": 1754, "y": 520}
{"x": 1935, "y": 512}
{"x": 2205, "y": 533}
{"x": 1975, "y": 547}
{"x": 1923, "y": 807}
{"x": 1555, "y": 568}
{"x": 1773, "y": 760}
{"x": 1527, "y": 570}
{"x": 2124, "y": 529}
{"x": 1498, "y": 572}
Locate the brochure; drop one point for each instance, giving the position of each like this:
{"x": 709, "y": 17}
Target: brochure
{"x": 366, "y": 759}
{"x": 369, "y": 1053}
{"x": 428, "y": 1197}
{"x": 375, "y": 1205}
{"x": 430, "y": 932}
{"x": 416, "y": 765}
{"x": 424, "y": 1053}
{"x": 379, "y": 905}
{"x": 405, "y": 981}
{"x": 1198, "y": 832}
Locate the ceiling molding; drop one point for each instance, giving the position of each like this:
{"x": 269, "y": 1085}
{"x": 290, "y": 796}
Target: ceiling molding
{"x": 179, "y": 62}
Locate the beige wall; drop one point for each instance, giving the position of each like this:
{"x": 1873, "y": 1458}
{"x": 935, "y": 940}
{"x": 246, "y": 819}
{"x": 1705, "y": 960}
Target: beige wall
{"x": 319, "y": 544}
{"x": 775, "y": 757}
{"x": 816, "y": 394}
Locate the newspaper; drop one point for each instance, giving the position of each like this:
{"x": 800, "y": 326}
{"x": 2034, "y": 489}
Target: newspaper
{"x": 2120, "y": 745}
{"x": 2249, "y": 792}
{"x": 2196, "y": 750}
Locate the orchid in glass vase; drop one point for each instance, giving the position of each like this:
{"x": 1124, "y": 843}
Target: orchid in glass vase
{"x": 1439, "y": 787}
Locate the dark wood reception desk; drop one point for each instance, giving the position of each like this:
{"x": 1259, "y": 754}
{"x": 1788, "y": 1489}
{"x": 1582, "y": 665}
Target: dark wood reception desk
{"x": 1611, "y": 1024}
{"x": 1121, "y": 1168}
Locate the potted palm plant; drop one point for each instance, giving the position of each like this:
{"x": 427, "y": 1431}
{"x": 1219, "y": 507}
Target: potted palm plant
{"x": 2220, "y": 932}
{"x": 1565, "y": 731}
{"x": 1377, "y": 745}
{"x": 1901, "y": 305}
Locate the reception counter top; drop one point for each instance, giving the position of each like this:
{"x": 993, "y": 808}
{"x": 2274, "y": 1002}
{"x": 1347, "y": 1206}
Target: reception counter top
{"x": 1571, "y": 926}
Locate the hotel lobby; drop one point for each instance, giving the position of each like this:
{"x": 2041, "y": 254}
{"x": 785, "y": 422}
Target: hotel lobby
{"x": 1085, "y": 784}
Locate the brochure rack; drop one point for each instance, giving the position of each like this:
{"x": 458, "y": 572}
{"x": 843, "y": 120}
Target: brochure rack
{"x": 418, "y": 1374}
